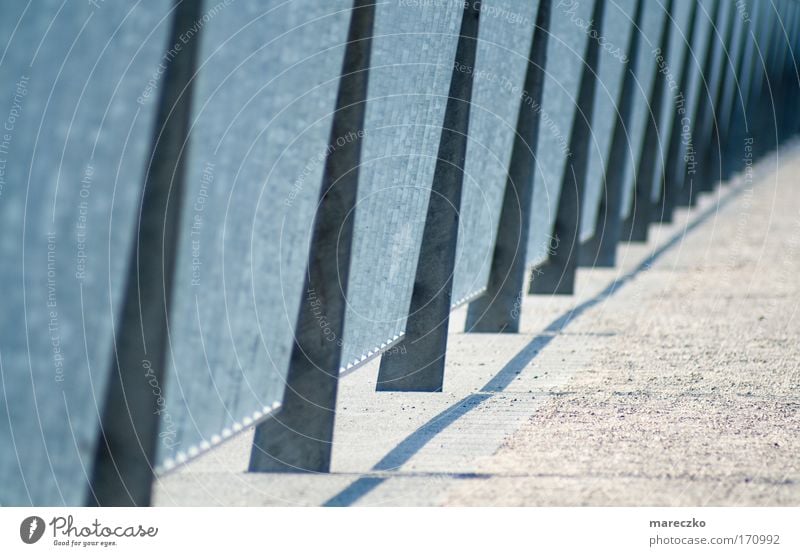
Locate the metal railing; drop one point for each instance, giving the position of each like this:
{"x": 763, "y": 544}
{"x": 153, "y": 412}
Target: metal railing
{"x": 213, "y": 210}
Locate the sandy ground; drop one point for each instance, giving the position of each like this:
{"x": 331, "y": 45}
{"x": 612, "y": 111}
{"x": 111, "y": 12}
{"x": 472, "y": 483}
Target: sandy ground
{"x": 670, "y": 380}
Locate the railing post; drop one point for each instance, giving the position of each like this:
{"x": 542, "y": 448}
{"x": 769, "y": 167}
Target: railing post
{"x": 601, "y": 249}
{"x": 637, "y": 225}
{"x": 673, "y": 174}
{"x": 557, "y": 275}
{"x": 418, "y": 363}
{"x": 299, "y": 436}
{"x": 695, "y": 178}
{"x": 498, "y": 310}
{"x": 123, "y": 469}
{"x": 709, "y": 156}
{"x": 726, "y": 92}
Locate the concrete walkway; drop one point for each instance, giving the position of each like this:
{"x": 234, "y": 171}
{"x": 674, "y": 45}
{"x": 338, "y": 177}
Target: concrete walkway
{"x": 670, "y": 380}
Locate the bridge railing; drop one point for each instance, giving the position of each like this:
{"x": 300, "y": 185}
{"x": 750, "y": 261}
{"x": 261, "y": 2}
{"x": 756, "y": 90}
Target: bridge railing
{"x": 213, "y": 210}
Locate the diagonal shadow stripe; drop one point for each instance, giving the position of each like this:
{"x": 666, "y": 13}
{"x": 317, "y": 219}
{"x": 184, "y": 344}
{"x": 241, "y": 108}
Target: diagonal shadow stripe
{"x": 414, "y": 442}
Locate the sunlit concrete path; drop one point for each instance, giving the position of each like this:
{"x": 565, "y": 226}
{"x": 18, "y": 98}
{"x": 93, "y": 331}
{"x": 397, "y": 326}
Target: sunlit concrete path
{"x": 670, "y": 380}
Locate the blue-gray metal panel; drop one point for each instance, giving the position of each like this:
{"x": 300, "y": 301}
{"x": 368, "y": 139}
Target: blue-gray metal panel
{"x": 569, "y": 28}
{"x": 649, "y": 41}
{"x": 720, "y": 51}
{"x": 671, "y": 67}
{"x": 712, "y": 81}
{"x": 730, "y": 89}
{"x": 413, "y": 55}
{"x": 696, "y": 85}
{"x": 74, "y": 165}
{"x": 764, "y": 34}
{"x": 616, "y": 37}
{"x": 262, "y": 110}
{"x": 504, "y": 39}
{"x": 748, "y": 61}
